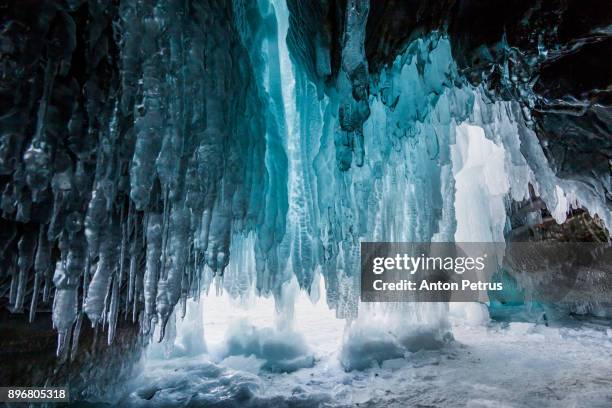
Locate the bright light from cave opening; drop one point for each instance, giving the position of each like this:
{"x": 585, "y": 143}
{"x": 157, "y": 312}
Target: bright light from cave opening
{"x": 312, "y": 319}
{"x": 255, "y": 327}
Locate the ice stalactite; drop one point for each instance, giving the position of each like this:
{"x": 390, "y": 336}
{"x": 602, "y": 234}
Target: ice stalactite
{"x": 146, "y": 155}
{"x": 525, "y": 162}
{"x": 353, "y": 86}
{"x": 397, "y": 192}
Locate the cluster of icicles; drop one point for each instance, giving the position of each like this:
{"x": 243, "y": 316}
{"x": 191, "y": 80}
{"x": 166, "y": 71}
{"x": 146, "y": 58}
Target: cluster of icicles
{"x": 208, "y": 138}
{"x": 140, "y": 168}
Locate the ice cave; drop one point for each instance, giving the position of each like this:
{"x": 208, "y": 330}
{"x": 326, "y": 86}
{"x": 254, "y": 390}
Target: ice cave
{"x": 187, "y": 187}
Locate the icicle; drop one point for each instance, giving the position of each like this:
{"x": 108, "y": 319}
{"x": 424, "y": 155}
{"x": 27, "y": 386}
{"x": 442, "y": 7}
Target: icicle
{"x": 99, "y": 286}
{"x": 76, "y": 336}
{"x": 47, "y": 288}
{"x": 21, "y": 280}
{"x": 63, "y": 343}
{"x": 169, "y": 337}
{"x": 13, "y": 286}
{"x": 132, "y": 276}
{"x": 37, "y": 157}
{"x": 26, "y": 249}
{"x": 64, "y": 306}
{"x": 124, "y": 240}
{"x": 113, "y": 310}
{"x": 42, "y": 263}
{"x": 34, "y": 301}
{"x": 183, "y": 303}
{"x": 154, "y": 243}
{"x": 95, "y": 220}
{"x": 150, "y": 123}
{"x": 138, "y": 294}
{"x": 165, "y": 228}
{"x": 353, "y": 83}
{"x": 131, "y": 230}
{"x": 135, "y": 305}
{"x": 169, "y": 288}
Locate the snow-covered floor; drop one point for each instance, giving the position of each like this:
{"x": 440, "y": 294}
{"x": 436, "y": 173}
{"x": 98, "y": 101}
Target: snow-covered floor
{"x": 487, "y": 365}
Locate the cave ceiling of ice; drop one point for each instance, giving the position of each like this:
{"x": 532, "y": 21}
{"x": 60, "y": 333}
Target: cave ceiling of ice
{"x": 145, "y": 145}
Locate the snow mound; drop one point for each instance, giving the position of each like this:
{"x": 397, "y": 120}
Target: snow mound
{"x": 281, "y": 350}
{"x": 369, "y": 346}
{"x": 365, "y": 347}
{"x": 191, "y": 381}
